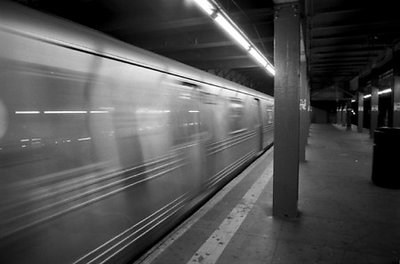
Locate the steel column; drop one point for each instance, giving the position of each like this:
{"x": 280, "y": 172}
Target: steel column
{"x": 337, "y": 115}
{"x": 286, "y": 93}
{"x": 374, "y": 107}
{"x": 360, "y": 119}
{"x": 348, "y": 115}
{"x": 343, "y": 115}
{"x": 303, "y": 109}
{"x": 308, "y": 111}
{"x": 396, "y": 90}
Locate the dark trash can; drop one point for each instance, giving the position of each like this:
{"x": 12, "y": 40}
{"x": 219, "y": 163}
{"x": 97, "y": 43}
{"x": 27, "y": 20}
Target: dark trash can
{"x": 386, "y": 158}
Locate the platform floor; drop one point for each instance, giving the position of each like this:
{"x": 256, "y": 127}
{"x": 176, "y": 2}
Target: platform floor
{"x": 344, "y": 218}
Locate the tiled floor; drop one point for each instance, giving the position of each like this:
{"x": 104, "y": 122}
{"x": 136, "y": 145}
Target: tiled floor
{"x": 344, "y": 218}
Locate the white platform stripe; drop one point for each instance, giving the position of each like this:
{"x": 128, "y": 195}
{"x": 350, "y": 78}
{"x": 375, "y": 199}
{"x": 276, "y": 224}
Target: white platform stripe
{"x": 212, "y": 249}
{"x": 160, "y": 247}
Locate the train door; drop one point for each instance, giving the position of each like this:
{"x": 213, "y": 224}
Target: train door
{"x": 187, "y": 135}
{"x": 259, "y": 124}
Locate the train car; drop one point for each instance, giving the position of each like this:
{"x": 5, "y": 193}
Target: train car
{"x": 104, "y": 147}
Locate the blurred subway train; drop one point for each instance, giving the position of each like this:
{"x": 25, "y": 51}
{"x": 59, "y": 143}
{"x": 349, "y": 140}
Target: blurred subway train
{"x": 105, "y": 147}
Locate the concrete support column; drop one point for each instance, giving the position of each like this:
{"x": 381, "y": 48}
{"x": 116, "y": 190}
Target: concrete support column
{"x": 360, "y": 120}
{"x": 374, "y": 107}
{"x": 348, "y": 115}
{"x": 339, "y": 114}
{"x": 303, "y": 109}
{"x": 286, "y": 93}
{"x": 308, "y": 111}
{"x": 396, "y": 91}
{"x": 343, "y": 114}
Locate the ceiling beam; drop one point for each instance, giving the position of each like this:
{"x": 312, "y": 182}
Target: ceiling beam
{"x": 331, "y": 12}
{"x": 205, "y": 38}
{"x": 363, "y": 35}
{"x": 199, "y": 59}
{"x": 344, "y": 51}
{"x": 182, "y": 45}
{"x": 337, "y": 67}
{"x": 336, "y": 25}
{"x": 356, "y": 28}
{"x": 336, "y": 54}
{"x": 348, "y": 41}
{"x": 225, "y": 64}
{"x": 342, "y": 61}
{"x": 335, "y": 48}
{"x": 365, "y": 56}
{"x": 149, "y": 25}
{"x": 320, "y": 71}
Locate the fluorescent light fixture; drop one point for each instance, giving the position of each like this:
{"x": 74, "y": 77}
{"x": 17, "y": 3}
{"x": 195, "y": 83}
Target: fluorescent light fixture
{"x": 193, "y": 111}
{"x": 150, "y": 111}
{"x": 65, "y": 112}
{"x": 233, "y": 32}
{"x": 353, "y": 101}
{"x": 27, "y": 112}
{"x": 215, "y": 12}
{"x": 206, "y": 6}
{"x": 271, "y": 69}
{"x": 259, "y": 58}
{"x": 385, "y": 91}
{"x": 379, "y": 93}
{"x": 84, "y": 139}
{"x": 99, "y": 112}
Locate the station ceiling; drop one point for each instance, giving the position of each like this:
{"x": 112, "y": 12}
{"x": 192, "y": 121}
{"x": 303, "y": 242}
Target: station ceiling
{"x": 343, "y": 38}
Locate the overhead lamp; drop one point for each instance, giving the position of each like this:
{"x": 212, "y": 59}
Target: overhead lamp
{"x": 353, "y": 101}
{"x": 385, "y": 91}
{"x": 27, "y": 112}
{"x": 271, "y": 69}
{"x": 206, "y": 6}
{"x": 379, "y": 93}
{"x": 211, "y": 8}
{"x": 259, "y": 58}
{"x": 228, "y": 27}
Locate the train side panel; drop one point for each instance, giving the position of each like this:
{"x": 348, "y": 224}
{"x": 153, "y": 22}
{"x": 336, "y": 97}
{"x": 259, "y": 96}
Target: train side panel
{"x": 100, "y": 157}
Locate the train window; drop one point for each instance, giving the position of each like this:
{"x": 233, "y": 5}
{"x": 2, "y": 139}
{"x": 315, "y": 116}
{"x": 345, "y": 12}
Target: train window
{"x": 208, "y": 98}
{"x": 236, "y": 109}
{"x": 270, "y": 114}
{"x": 189, "y": 84}
{"x": 185, "y": 116}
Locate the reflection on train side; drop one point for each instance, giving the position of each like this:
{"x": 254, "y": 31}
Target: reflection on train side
{"x": 105, "y": 147}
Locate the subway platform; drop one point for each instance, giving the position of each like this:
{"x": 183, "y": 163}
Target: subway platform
{"x": 343, "y": 217}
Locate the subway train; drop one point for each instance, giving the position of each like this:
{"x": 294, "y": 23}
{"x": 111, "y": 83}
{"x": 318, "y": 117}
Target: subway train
{"x": 105, "y": 147}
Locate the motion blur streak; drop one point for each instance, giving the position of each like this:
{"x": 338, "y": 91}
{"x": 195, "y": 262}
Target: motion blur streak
{"x": 105, "y": 147}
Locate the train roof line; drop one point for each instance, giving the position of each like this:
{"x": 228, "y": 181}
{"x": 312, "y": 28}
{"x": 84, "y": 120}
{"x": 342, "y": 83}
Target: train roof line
{"x": 82, "y": 40}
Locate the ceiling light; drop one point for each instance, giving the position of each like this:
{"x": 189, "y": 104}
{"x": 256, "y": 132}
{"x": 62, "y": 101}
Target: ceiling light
{"x": 27, "y": 112}
{"x": 385, "y": 91}
{"x": 233, "y": 32}
{"x": 271, "y": 69}
{"x": 259, "y": 58}
{"x": 367, "y": 96}
{"x": 206, "y": 6}
{"x": 215, "y": 12}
